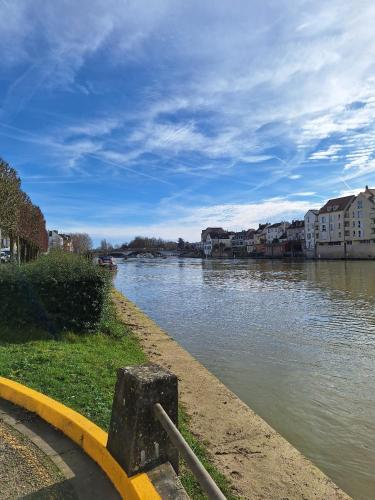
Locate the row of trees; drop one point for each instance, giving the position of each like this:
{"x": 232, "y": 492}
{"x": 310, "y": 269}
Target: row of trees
{"x": 146, "y": 243}
{"x": 20, "y": 220}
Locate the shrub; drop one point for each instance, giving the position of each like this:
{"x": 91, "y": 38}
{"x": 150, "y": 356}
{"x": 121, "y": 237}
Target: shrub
{"x": 16, "y": 304}
{"x": 59, "y": 291}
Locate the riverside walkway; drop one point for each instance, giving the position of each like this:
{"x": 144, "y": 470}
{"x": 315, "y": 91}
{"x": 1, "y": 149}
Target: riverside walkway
{"x": 37, "y": 461}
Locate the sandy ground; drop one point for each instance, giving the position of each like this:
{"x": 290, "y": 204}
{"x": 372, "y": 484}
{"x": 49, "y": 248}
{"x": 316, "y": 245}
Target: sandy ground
{"x": 260, "y": 463}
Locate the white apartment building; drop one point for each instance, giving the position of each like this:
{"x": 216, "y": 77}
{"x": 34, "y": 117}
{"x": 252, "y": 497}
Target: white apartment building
{"x": 331, "y": 228}
{"x": 311, "y": 232}
{"x": 215, "y": 240}
{"x": 55, "y": 240}
{"x": 276, "y": 231}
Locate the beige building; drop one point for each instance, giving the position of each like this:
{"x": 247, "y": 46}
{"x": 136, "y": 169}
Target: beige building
{"x": 331, "y": 228}
{"x": 360, "y": 226}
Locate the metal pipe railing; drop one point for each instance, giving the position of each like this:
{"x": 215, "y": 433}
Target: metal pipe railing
{"x": 206, "y": 482}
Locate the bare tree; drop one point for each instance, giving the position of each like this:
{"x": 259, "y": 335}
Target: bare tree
{"x": 105, "y": 246}
{"x": 82, "y": 242}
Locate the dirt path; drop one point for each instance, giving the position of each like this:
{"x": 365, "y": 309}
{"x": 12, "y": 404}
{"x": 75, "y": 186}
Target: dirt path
{"x": 261, "y": 463}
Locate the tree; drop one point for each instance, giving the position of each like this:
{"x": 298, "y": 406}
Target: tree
{"x": 22, "y": 221}
{"x": 105, "y": 246}
{"x": 82, "y": 242}
{"x": 180, "y": 244}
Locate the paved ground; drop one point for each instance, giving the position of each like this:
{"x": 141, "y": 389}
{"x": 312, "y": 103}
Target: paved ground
{"x": 39, "y": 462}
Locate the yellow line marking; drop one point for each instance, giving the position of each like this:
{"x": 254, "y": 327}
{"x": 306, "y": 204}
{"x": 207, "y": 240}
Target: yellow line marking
{"x": 84, "y": 433}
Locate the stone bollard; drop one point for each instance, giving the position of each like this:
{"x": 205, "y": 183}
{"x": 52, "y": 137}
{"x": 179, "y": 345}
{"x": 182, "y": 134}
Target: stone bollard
{"x": 136, "y": 439}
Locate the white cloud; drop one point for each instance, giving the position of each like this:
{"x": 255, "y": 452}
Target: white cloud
{"x": 329, "y": 153}
{"x": 190, "y": 222}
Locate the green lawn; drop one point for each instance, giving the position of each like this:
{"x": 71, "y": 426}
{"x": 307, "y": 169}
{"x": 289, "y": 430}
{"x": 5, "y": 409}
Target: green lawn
{"x": 80, "y": 371}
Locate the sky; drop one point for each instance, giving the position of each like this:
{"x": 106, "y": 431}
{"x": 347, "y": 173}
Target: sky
{"x": 163, "y": 117}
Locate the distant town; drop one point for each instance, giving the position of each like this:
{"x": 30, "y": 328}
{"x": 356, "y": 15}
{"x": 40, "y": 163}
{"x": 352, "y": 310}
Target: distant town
{"x": 343, "y": 228}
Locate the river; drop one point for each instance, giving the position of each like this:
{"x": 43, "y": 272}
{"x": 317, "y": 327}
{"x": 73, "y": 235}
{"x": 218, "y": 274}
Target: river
{"x": 294, "y": 340}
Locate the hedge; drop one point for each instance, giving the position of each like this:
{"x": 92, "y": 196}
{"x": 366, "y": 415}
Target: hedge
{"x": 58, "y": 291}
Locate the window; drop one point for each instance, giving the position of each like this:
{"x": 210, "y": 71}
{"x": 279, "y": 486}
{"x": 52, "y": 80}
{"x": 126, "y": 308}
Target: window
{"x": 359, "y": 233}
{"x": 339, "y": 225}
{"x": 359, "y": 203}
{"x": 339, "y": 216}
{"x": 324, "y": 227}
{"x": 353, "y": 215}
{"x": 360, "y": 214}
{"x": 359, "y": 223}
{"x": 347, "y": 233}
{"x": 353, "y": 223}
{"x": 323, "y": 220}
{"x": 339, "y": 234}
{"x": 353, "y": 233}
{"x": 331, "y": 227}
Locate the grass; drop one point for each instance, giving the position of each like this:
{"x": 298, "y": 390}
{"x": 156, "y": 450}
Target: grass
{"x": 80, "y": 371}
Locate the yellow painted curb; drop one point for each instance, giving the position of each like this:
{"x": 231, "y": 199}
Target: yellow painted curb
{"x": 87, "y": 435}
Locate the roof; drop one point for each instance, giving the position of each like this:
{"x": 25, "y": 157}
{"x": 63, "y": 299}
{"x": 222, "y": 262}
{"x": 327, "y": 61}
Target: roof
{"x": 370, "y": 193}
{"x": 313, "y": 210}
{"x": 216, "y": 229}
{"x": 296, "y": 224}
{"x": 337, "y": 204}
{"x": 262, "y": 227}
{"x": 219, "y": 236}
{"x": 239, "y": 235}
{"x": 277, "y": 224}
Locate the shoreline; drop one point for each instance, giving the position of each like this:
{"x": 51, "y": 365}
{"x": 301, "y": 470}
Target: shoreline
{"x": 260, "y": 463}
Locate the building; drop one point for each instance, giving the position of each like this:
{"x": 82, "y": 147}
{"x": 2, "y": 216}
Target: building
{"x": 216, "y": 242}
{"x": 295, "y": 234}
{"x": 58, "y": 241}
{"x": 260, "y": 239}
{"x": 296, "y": 231}
{"x": 333, "y": 227}
{"x": 276, "y": 232}
{"x": 67, "y": 243}
{"x": 240, "y": 242}
{"x": 55, "y": 240}
{"x": 208, "y": 230}
{"x": 359, "y": 230}
{"x": 311, "y": 232}
{"x": 250, "y": 241}
{"x": 4, "y": 240}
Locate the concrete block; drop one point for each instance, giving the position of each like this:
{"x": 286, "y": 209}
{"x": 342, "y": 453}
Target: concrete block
{"x": 136, "y": 439}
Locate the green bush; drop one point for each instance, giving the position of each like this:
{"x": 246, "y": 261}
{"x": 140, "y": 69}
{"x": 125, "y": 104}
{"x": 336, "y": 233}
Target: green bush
{"x": 58, "y": 291}
{"x": 16, "y": 299}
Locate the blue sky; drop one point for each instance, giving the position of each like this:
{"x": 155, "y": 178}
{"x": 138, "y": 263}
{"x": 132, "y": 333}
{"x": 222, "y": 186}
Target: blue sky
{"x": 130, "y": 117}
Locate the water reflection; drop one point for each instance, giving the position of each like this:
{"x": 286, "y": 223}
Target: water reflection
{"x": 293, "y": 340}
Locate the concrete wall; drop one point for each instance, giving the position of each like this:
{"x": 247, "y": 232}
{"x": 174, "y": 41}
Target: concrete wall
{"x": 330, "y": 251}
{"x": 360, "y": 251}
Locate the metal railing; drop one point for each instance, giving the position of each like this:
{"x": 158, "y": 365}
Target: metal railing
{"x": 206, "y": 482}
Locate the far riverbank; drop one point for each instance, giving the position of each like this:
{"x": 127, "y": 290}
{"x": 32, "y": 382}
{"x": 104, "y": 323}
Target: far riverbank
{"x": 261, "y": 463}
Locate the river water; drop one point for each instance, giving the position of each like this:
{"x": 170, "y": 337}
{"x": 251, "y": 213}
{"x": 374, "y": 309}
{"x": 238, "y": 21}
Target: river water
{"x": 294, "y": 340}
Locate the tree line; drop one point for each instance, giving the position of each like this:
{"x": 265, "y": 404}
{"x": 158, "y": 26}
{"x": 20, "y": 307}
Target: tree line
{"x": 20, "y": 220}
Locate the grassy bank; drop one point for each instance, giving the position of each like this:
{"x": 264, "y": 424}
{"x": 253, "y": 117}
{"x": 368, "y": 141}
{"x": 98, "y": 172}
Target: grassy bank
{"x": 80, "y": 371}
